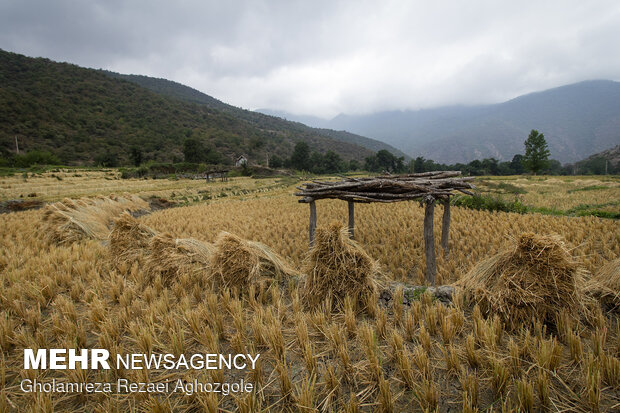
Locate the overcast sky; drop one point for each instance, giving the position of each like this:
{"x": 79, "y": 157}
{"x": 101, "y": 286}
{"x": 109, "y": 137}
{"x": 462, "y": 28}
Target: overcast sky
{"x": 328, "y": 57}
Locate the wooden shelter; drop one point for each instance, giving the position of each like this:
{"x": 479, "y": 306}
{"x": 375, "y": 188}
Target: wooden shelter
{"x": 427, "y": 187}
{"x": 217, "y": 173}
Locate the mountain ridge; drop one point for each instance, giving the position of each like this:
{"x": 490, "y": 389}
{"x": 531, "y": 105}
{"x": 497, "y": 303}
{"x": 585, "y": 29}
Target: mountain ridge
{"x": 180, "y": 91}
{"x": 577, "y": 119}
{"x": 80, "y": 114}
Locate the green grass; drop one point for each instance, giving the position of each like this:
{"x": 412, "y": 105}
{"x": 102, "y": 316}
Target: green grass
{"x": 587, "y": 188}
{"x": 415, "y": 294}
{"x": 489, "y": 203}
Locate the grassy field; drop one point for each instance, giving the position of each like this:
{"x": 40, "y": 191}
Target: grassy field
{"x": 422, "y": 357}
{"x": 54, "y": 186}
{"x": 559, "y": 194}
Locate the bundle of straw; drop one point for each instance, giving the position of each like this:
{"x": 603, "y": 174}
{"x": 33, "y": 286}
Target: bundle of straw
{"x": 337, "y": 266}
{"x": 70, "y": 220}
{"x": 129, "y": 241}
{"x": 171, "y": 257}
{"x": 605, "y": 285}
{"x": 237, "y": 263}
{"x": 534, "y": 280}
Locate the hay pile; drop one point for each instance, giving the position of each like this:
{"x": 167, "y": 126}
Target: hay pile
{"x": 336, "y": 267}
{"x": 238, "y": 263}
{"x": 534, "y": 280}
{"x": 169, "y": 258}
{"x": 605, "y": 285}
{"x": 70, "y": 220}
{"x": 130, "y": 241}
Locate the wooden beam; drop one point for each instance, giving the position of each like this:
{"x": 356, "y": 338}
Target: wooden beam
{"x": 429, "y": 242}
{"x": 351, "y": 219}
{"x": 445, "y": 227}
{"x": 312, "y": 226}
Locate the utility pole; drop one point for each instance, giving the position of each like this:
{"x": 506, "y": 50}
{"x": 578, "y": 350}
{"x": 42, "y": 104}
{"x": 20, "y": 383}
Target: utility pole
{"x": 16, "y": 145}
{"x": 606, "y": 161}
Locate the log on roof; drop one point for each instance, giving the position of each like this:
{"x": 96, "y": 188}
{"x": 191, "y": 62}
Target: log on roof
{"x": 428, "y": 186}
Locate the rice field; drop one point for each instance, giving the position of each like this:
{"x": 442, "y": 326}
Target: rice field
{"x": 561, "y": 193}
{"x": 170, "y": 282}
{"x": 54, "y": 186}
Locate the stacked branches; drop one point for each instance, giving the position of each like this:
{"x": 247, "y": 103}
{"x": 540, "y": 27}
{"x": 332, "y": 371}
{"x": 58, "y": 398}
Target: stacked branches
{"x": 387, "y": 188}
{"x": 535, "y": 280}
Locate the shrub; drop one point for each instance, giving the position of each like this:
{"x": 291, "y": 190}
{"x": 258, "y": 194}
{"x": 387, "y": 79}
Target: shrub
{"x": 35, "y": 158}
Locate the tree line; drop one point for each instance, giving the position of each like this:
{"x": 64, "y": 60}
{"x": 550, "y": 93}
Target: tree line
{"x": 535, "y": 160}
{"x": 195, "y": 151}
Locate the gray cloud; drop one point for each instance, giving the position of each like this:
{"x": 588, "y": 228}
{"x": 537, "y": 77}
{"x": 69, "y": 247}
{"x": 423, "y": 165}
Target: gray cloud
{"x": 326, "y": 57}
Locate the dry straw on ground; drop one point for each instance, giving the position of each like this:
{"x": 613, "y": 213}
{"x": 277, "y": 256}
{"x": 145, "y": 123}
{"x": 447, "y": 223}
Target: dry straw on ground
{"x": 534, "y": 280}
{"x": 238, "y": 263}
{"x": 605, "y": 285}
{"x": 170, "y": 258}
{"x": 337, "y": 266}
{"x": 70, "y": 220}
{"x": 129, "y": 241}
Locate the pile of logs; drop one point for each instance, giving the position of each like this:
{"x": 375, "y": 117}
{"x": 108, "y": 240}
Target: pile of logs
{"x": 428, "y": 185}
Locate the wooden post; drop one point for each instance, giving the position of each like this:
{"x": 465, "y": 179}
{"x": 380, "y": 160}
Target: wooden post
{"x": 351, "y": 219}
{"x": 312, "y": 226}
{"x": 429, "y": 241}
{"x": 445, "y": 227}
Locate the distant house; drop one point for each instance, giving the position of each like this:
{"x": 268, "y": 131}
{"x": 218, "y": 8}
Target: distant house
{"x": 242, "y": 160}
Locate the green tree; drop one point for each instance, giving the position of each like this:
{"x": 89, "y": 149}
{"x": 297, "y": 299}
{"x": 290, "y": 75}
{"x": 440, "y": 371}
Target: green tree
{"x": 418, "y": 164}
{"x": 490, "y": 166}
{"x": 315, "y": 164}
{"x": 106, "y": 159}
{"x": 517, "y": 164}
{"x": 275, "y": 162}
{"x": 332, "y": 162}
{"x": 135, "y": 154}
{"x": 211, "y": 156}
{"x": 536, "y": 156}
{"x": 300, "y": 159}
{"x": 193, "y": 150}
{"x": 370, "y": 164}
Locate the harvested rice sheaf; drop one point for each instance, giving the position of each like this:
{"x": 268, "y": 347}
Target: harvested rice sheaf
{"x": 130, "y": 241}
{"x": 71, "y": 220}
{"x": 534, "y": 280}
{"x": 237, "y": 263}
{"x": 171, "y": 257}
{"x": 337, "y": 266}
{"x": 605, "y": 285}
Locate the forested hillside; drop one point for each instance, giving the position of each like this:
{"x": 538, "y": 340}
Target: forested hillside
{"x": 265, "y": 121}
{"x": 81, "y": 115}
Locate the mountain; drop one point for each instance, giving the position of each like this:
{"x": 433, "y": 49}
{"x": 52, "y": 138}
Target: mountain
{"x": 612, "y": 155}
{"x": 309, "y": 120}
{"x": 577, "y": 120}
{"x": 605, "y": 162}
{"x": 80, "y": 114}
{"x": 271, "y": 121}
